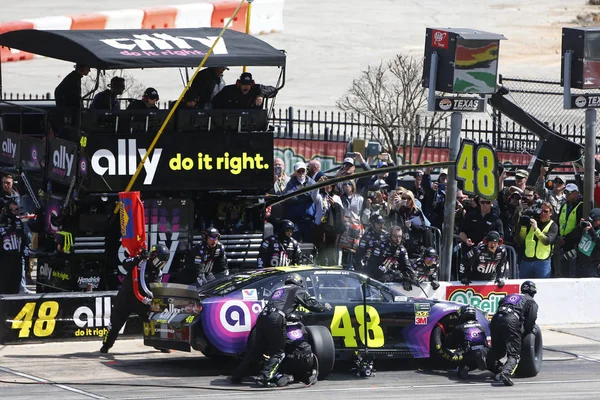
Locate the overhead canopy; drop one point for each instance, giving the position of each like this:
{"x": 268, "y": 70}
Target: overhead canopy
{"x": 146, "y": 48}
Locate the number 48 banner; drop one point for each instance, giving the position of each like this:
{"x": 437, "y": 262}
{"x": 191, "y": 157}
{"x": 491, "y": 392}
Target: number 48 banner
{"x": 477, "y": 168}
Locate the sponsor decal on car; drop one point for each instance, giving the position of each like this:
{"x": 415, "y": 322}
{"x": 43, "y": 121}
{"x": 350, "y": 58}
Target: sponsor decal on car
{"x": 249, "y": 294}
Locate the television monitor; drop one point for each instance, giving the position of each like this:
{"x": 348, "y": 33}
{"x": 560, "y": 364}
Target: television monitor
{"x": 194, "y": 120}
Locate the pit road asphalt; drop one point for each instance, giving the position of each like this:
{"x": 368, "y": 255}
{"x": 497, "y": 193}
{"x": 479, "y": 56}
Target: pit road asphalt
{"x": 76, "y": 370}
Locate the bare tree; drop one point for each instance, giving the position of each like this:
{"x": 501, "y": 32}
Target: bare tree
{"x": 391, "y": 96}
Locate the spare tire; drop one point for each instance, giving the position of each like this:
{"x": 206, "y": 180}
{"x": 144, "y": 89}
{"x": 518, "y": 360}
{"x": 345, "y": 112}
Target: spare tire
{"x": 321, "y": 341}
{"x": 532, "y": 351}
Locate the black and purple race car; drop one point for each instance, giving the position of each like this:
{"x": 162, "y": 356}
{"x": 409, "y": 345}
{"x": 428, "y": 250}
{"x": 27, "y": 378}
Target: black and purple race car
{"x": 218, "y": 319}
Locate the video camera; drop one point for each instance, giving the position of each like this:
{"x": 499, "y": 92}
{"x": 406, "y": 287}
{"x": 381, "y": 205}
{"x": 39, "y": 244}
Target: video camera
{"x": 586, "y": 222}
{"x": 529, "y": 213}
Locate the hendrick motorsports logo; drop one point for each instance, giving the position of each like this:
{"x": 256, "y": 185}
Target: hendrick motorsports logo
{"x": 484, "y": 297}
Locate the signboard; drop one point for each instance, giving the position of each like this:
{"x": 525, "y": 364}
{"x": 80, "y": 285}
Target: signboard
{"x": 484, "y": 297}
{"x": 477, "y": 168}
{"x": 63, "y": 161}
{"x": 33, "y": 153}
{"x": 9, "y": 148}
{"x": 472, "y": 104}
{"x": 60, "y": 316}
{"x": 584, "y": 45}
{"x": 585, "y": 101}
{"x": 190, "y": 161}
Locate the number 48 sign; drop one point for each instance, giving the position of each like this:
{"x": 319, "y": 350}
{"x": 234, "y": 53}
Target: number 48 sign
{"x": 476, "y": 167}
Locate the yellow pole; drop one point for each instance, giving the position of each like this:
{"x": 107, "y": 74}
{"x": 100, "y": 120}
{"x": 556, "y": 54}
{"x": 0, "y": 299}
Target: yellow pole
{"x": 170, "y": 115}
{"x": 248, "y": 14}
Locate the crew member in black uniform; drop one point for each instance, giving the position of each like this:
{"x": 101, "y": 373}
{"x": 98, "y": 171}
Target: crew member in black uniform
{"x": 15, "y": 245}
{"x": 470, "y": 340}
{"x": 209, "y": 258}
{"x": 369, "y": 239}
{"x": 126, "y": 302}
{"x": 514, "y": 319}
{"x": 281, "y": 249}
{"x": 300, "y": 364}
{"x": 485, "y": 261}
{"x": 68, "y": 94}
{"x": 389, "y": 260}
{"x": 269, "y": 344}
{"x": 107, "y": 99}
{"x": 426, "y": 268}
{"x": 245, "y": 94}
{"x": 148, "y": 101}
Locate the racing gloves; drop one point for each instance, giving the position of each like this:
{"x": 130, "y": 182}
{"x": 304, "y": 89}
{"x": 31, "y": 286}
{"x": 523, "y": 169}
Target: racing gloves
{"x": 465, "y": 281}
{"x": 435, "y": 285}
{"x": 499, "y": 282}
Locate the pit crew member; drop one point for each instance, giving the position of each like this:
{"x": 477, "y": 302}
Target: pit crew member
{"x": 371, "y": 238}
{"x": 514, "y": 319}
{"x": 280, "y": 249}
{"x": 269, "y": 344}
{"x": 389, "y": 260}
{"x": 15, "y": 245}
{"x": 485, "y": 262}
{"x": 470, "y": 340}
{"x": 208, "y": 257}
{"x": 426, "y": 268}
{"x": 126, "y": 302}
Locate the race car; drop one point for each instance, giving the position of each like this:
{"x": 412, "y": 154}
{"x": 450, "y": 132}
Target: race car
{"x": 218, "y": 318}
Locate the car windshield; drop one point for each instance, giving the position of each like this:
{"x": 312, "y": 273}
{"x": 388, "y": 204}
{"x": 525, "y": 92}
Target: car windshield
{"x": 231, "y": 283}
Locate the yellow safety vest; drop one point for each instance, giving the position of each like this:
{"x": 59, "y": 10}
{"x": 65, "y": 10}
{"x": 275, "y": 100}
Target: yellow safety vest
{"x": 565, "y": 226}
{"x": 535, "y": 248}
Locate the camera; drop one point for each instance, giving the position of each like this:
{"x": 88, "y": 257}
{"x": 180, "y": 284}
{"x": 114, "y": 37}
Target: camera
{"x": 278, "y": 170}
{"x": 586, "y": 222}
{"x": 529, "y": 213}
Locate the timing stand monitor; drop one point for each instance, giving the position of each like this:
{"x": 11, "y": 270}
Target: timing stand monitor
{"x": 141, "y": 121}
{"x": 239, "y": 120}
{"x": 194, "y": 120}
{"x": 99, "y": 121}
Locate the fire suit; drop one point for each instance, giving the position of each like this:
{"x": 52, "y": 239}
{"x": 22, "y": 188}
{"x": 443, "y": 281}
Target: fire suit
{"x": 389, "y": 262}
{"x": 299, "y": 359}
{"x": 423, "y": 272}
{"x": 207, "y": 261}
{"x": 470, "y": 339}
{"x": 369, "y": 240}
{"x": 515, "y": 317}
{"x": 126, "y": 303}
{"x": 279, "y": 250}
{"x": 15, "y": 245}
{"x": 483, "y": 265}
{"x": 269, "y": 344}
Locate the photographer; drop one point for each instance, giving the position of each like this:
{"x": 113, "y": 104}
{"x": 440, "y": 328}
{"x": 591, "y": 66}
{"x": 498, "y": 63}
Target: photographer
{"x": 588, "y": 247}
{"x": 570, "y": 214}
{"x": 536, "y": 234}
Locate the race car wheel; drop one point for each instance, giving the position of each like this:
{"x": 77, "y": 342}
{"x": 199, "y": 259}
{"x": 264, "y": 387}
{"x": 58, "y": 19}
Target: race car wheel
{"x": 438, "y": 353}
{"x": 532, "y": 350}
{"x": 321, "y": 341}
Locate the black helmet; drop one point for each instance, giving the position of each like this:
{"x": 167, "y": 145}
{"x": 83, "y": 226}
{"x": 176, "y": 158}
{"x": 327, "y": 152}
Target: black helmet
{"x": 160, "y": 255}
{"x": 213, "y": 233}
{"x": 467, "y": 313}
{"x": 377, "y": 219}
{"x": 294, "y": 279}
{"x": 287, "y": 225}
{"x": 430, "y": 252}
{"x": 529, "y": 288}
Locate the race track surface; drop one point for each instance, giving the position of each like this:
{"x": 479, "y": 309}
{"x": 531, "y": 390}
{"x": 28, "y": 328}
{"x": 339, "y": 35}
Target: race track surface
{"x": 131, "y": 371}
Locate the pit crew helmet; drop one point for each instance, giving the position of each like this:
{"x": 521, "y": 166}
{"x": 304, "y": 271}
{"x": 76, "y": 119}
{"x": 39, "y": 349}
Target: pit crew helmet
{"x": 159, "y": 256}
{"x": 528, "y": 287}
{"x": 430, "y": 252}
{"x": 466, "y": 313}
{"x": 294, "y": 279}
{"x": 377, "y": 219}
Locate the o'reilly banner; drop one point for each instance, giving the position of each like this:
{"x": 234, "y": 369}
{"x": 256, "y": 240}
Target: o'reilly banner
{"x": 181, "y": 161}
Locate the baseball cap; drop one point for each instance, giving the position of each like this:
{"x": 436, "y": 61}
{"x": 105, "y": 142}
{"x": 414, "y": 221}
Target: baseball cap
{"x": 151, "y": 93}
{"x": 493, "y": 236}
{"x": 349, "y": 160}
{"x": 560, "y": 178}
{"x": 571, "y": 187}
{"x": 444, "y": 171}
{"x": 419, "y": 172}
{"x": 595, "y": 213}
{"x": 246, "y": 79}
{"x": 521, "y": 173}
{"x": 380, "y": 184}
{"x": 299, "y": 165}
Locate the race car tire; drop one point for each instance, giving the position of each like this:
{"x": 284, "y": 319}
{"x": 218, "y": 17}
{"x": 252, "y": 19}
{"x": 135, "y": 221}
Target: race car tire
{"x": 438, "y": 354}
{"x": 321, "y": 341}
{"x": 532, "y": 351}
